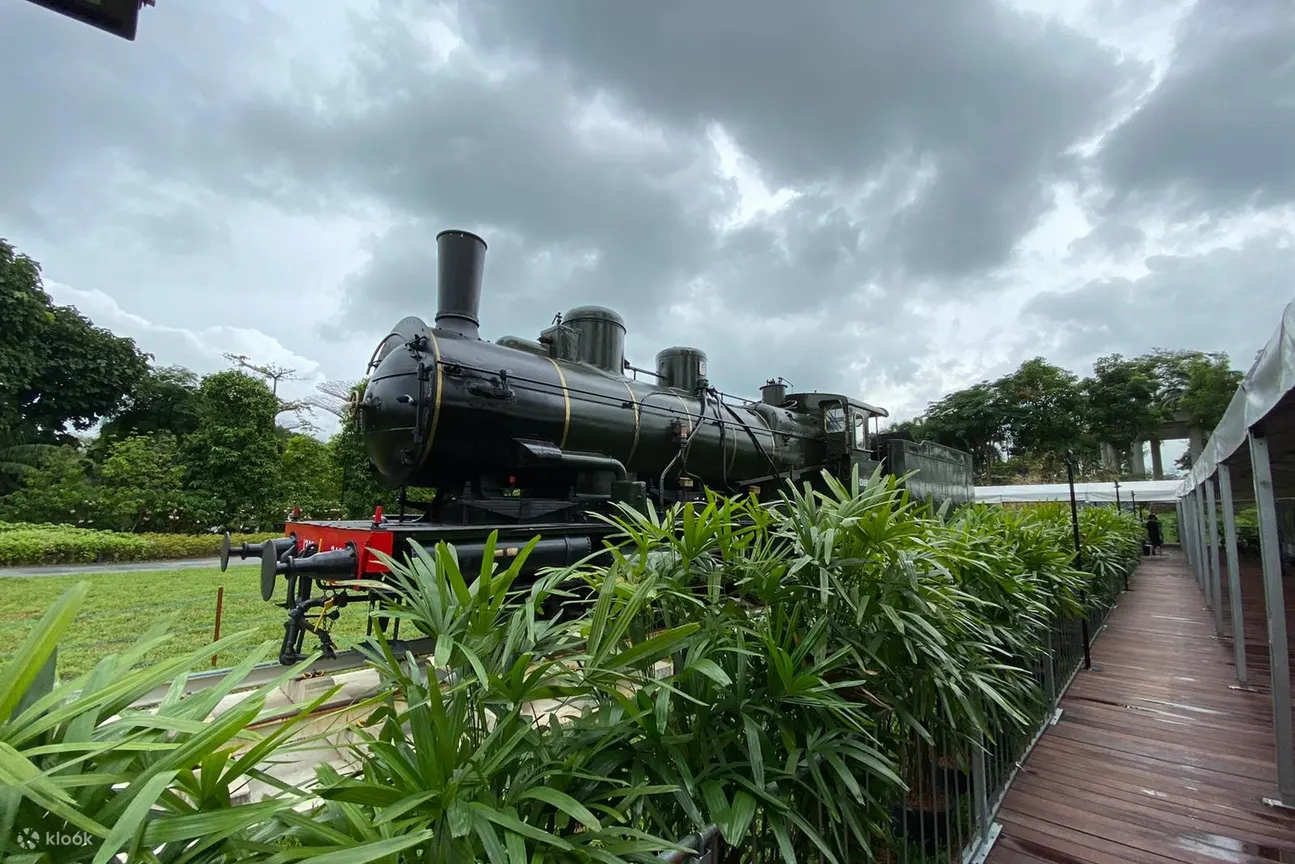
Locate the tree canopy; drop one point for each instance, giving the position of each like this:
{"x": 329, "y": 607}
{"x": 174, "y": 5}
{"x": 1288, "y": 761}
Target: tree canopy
{"x": 58, "y": 372}
{"x": 1024, "y": 423}
{"x": 93, "y": 433}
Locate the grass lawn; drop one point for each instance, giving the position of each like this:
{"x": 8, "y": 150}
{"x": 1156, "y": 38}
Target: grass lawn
{"x": 121, "y": 606}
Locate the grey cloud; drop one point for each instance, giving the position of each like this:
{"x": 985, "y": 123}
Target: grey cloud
{"x": 118, "y": 173}
{"x": 830, "y": 93}
{"x": 923, "y": 144}
{"x": 627, "y": 225}
{"x": 521, "y": 290}
{"x": 501, "y": 157}
{"x": 745, "y": 343}
{"x": 1116, "y": 237}
{"x": 85, "y": 105}
{"x": 1224, "y": 300}
{"x": 856, "y": 122}
{"x": 1216, "y": 134}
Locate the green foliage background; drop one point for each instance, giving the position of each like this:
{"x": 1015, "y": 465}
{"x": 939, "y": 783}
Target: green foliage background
{"x": 1020, "y": 427}
{"x": 94, "y": 436}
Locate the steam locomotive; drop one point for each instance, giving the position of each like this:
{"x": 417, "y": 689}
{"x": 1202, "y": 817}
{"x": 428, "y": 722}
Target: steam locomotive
{"x": 530, "y": 437}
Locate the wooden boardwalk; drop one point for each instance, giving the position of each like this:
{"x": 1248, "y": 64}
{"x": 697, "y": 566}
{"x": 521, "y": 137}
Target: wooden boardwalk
{"x": 1156, "y": 758}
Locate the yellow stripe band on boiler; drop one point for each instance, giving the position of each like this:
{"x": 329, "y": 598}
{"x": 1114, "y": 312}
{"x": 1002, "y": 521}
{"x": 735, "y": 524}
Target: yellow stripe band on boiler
{"x": 566, "y": 404}
{"x": 686, "y": 412}
{"x": 773, "y": 438}
{"x": 436, "y": 400}
{"x": 635, "y": 404}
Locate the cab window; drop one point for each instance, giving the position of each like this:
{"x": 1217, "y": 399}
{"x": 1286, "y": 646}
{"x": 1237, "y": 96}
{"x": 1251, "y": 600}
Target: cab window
{"x": 834, "y": 418}
{"x": 859, "y": 440}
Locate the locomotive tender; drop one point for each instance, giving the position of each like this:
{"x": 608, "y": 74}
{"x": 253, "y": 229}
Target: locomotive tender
{"x": 529, "y": 437}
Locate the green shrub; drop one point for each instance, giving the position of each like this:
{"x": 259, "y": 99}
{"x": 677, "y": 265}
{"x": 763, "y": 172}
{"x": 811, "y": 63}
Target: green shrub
{"x": 175, "y": 546}
{"x": 63, "y": 546}
{"x": 25, "y": 544}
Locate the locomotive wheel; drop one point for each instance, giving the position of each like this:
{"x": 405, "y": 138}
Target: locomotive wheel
{"x": 224, "y": 552}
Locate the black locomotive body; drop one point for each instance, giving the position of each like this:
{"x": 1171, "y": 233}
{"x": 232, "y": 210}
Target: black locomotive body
{"x": 529, "y": 437}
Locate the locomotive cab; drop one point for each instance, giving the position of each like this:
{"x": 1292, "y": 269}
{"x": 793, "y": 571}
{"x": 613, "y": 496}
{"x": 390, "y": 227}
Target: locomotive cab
{"x": 843, "y": 422}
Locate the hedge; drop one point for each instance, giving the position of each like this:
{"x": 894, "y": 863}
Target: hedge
{"x": 28, "y": 544}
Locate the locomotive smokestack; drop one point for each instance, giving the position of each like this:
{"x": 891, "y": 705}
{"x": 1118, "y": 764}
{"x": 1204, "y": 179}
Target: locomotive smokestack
{"x": 460, "y": 261}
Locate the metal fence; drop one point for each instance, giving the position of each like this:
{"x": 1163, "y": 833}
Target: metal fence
{"x": 955, "y": 786}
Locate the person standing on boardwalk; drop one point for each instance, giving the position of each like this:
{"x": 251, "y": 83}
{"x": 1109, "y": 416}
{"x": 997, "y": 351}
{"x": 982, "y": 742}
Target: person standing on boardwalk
{"x": 1154, "y": 536}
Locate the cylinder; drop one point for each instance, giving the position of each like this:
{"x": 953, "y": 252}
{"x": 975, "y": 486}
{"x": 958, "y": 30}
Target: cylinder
{"x": 460, "y": 263}
{"x": 602, "y": 337}
{"x": 681, "y": 368}
{"x": 773, "y": 392}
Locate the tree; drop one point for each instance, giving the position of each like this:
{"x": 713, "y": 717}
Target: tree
{"x": 1022, "y": 424}
{"x": 56, "y": 368}
{"x": 232, "y": 457}
{"x": 971, "y": 420}
{"x": 164, "y": 400}
{"x": 1121, "y": 400}
{"x": 909, "y": 430}
{"x": 18, "y": 461}
{"x": 300, "y": 409}
{"x": 270, "y": 371}
{"x": 26, "y": 313}
{"x": 1170, "y": 371}
{"x": 58, "y": 489}
{"x": 142, "y": 483}
{"x": 1042, "y": 409}
{"x": 1211, "y": 384}
{"x": 311, "y": 478}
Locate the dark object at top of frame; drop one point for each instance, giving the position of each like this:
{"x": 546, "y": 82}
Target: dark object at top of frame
{"x": 118, "y": 17}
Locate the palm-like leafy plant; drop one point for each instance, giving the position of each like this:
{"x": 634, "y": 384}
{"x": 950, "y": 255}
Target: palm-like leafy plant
{"x": 156, "y": 785}
{"x": 471, "y": 759}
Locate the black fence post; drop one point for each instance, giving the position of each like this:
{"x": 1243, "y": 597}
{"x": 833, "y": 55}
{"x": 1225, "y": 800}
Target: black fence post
{"x": 1079, "y": 555}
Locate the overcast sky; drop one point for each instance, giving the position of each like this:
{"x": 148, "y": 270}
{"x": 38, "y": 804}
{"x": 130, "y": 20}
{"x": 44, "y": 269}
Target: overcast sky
{"x": 893, "y": 199}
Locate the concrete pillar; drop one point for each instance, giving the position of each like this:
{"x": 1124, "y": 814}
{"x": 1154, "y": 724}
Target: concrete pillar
{"x": 1110, "y": 459}
{"x": 1157, "y": 461}
{"x": 1195, "y": 443}
{"x": 1137, "y": 461}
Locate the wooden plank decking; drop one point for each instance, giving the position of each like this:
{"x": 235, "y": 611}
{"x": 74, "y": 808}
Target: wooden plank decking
{"x": 1155, "y": 758}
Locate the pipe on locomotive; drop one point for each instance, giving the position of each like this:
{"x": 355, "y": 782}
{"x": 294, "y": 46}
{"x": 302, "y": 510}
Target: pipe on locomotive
{"x": 460, "y": 266}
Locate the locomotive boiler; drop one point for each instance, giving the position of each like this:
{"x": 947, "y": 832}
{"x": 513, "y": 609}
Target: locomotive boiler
{"x": 527, "y": 437}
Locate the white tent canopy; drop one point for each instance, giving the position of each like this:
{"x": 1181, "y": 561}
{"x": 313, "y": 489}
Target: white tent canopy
{"x": 1142, "y": 491}
{"x": 1262, "y": 400}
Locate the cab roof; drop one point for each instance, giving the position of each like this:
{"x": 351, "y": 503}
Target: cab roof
{"x": 813, "y": 401}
